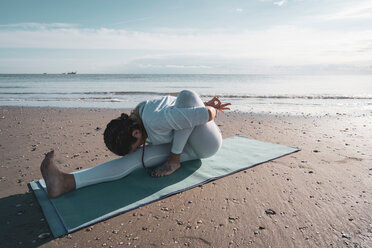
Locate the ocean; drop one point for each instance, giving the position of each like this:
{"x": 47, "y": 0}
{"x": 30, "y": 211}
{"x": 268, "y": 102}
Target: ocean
{"x": 264, "y": 94}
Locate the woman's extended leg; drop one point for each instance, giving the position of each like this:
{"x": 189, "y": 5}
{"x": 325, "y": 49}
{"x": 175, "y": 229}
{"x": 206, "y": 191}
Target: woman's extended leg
{"x": 120, "y": 167}
{"x": 59, "y": 182}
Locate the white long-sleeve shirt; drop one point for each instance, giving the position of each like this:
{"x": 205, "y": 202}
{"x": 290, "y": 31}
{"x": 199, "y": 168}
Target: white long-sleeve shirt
{"x": 161, "y": 118}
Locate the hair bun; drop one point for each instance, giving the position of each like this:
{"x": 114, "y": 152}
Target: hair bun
{"x": 124, "y": 116}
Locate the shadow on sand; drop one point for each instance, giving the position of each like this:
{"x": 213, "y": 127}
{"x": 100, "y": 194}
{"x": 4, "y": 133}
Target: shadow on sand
{"x": 22, "y": 221}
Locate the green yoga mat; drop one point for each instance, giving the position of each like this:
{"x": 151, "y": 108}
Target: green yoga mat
{"x": 83, "y": 207}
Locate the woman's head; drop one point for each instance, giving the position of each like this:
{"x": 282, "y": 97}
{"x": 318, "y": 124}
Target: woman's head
{"x": 122, "y": 134}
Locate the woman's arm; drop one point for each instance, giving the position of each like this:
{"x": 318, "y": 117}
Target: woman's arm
{"x": 212, "y": 112}
{"x": 181, "y": 118}
{"x": 179, "y": 140}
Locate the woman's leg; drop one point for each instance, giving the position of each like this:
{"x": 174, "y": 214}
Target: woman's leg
{"x": 59, "y": 182}
{"x": 202, "y": 141}
{"x": 120, "y": 167}
{"x": 185, "y": 99}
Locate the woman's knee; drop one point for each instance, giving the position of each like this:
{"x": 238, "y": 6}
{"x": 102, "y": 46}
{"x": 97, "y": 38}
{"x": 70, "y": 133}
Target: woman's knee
{"x": 188, "y": 98}
{"x": 187, "y": 93}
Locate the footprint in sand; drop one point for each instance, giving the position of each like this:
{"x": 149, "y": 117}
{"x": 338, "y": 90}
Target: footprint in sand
{"x": 349, "y": 159}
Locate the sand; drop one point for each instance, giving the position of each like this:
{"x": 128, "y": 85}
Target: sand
{"x": 321, "y": 195}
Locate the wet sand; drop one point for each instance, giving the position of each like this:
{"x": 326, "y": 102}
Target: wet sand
{"x": 321, "y": 195}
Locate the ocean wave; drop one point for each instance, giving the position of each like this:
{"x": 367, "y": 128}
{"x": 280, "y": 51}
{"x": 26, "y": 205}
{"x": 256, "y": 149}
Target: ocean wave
{"x": 132, "y": 93}
{"x": 93, "y": 99}
{"x": 228, "y": 95}
{"x": 12, "y": 87}
{"x": 205, "y": 95}
{"x": 94, "y": 93}
{"x": 287, "y": 96}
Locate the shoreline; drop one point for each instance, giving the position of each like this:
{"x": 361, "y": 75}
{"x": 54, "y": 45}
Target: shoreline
{"x": 250, "y": 113}
{"x": 322, "y": 194}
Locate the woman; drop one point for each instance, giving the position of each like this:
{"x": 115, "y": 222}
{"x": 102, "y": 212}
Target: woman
{"x": 176, "y": 130}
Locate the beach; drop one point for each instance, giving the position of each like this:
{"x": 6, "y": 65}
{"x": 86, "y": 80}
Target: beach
{"x": 321, "y": 195}
{"x": 294, "y": 168}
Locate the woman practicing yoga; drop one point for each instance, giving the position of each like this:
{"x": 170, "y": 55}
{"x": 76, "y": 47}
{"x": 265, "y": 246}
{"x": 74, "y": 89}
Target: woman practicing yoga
{"x": 175, "y": 130}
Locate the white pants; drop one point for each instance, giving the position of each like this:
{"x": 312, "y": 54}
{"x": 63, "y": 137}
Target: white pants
{"x": 198, "y": 142}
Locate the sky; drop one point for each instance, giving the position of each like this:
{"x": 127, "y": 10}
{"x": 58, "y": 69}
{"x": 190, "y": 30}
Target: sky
{"x": 186, "y": 36}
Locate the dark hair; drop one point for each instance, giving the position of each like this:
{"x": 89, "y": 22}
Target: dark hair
{"x": 118, "y": 134}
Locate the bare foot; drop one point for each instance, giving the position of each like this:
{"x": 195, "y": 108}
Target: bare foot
{"x": 53, "y": 177}
{"x": 165, "y": 169}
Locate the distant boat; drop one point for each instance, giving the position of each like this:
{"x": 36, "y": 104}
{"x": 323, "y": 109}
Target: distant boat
{"x": 72, "y": 72}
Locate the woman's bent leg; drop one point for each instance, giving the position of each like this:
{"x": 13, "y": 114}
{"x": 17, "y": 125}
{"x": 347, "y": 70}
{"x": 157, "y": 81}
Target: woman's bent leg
{"x": 203, "y": 141}
{"x": 185, "y": 99}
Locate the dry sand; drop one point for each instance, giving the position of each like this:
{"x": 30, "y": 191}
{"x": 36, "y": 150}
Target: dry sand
{"x": 322, "y": 195}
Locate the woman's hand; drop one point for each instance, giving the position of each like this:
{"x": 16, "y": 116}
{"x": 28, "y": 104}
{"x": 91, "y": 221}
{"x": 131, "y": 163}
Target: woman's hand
{"x": 216, "y": 103}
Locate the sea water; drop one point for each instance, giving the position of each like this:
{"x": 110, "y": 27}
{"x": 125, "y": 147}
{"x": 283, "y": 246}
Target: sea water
{"x": 266, "y": 94}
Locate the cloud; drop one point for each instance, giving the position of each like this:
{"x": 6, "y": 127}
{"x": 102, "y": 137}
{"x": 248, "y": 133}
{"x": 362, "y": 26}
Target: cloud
{"x": 279, "y": 45}
{"x": 188, "y": 66}
{"x": 239, "y": 10}
{"x": 280, "y": 3}
{"x": 360, "y": 11}
{"x": 180, "y": 66}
